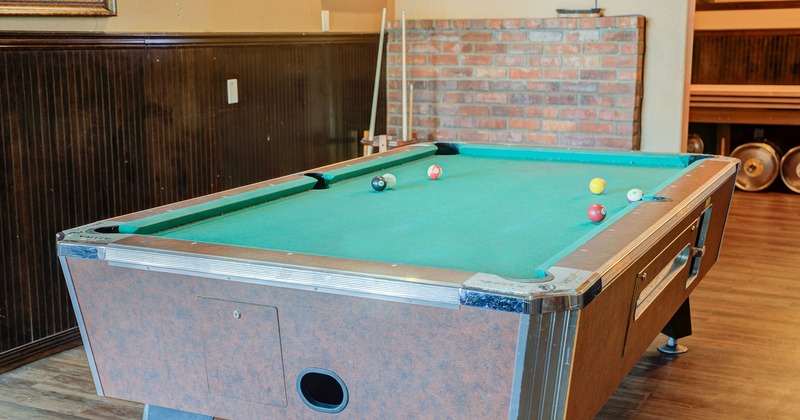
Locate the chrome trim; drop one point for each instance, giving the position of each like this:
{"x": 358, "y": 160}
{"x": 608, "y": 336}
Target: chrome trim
{"x": 545, "y": 348}
{"x": 76, "y": 250}
{"x": 518, "y": 403}
{"x": 87, "y": 345}
{"x": 91, "y": 233}
{"x": 555, "y": 382}
{"x": 481, "y": 290}
{"x": 88, "y": 241}
{"x": 343, "y": 283}
{"x": 560, "y": 293}
{"x": 496, "y": 302}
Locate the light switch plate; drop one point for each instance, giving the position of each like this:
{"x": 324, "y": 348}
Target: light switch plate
{"x": 233, "y": 91}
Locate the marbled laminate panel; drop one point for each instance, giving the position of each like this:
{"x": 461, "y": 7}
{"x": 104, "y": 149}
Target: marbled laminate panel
{"x": 158, "y": 338}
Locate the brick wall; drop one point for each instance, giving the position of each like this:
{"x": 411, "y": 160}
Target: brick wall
{"x": 574, "y": 82}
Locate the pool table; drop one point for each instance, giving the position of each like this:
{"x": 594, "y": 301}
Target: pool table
{"x": 487, "y": 293}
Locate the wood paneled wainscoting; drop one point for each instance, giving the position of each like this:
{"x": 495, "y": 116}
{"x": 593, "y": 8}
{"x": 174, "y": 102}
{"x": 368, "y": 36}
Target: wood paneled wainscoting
{"x": 94, "y": 126}
{"x": 747, "y": 57}
{"x": 745, "y": 86}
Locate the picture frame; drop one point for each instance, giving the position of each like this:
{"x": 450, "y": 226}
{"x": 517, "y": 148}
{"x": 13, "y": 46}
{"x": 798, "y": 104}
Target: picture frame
{"x": 58, "y": 8}
{"x": 707, "y": 5}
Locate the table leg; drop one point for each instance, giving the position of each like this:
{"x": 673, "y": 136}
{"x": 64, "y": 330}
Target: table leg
{"x": 679, "y": 326}
{"x": 154, "y": 412}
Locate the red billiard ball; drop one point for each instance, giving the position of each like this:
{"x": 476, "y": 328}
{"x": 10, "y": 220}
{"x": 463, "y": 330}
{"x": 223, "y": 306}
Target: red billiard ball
{"x": 596, "y": 212}
{"x": 434, "y": 171}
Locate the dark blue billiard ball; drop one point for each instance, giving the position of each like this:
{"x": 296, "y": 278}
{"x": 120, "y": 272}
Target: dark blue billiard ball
{"x": 378, "y": 183}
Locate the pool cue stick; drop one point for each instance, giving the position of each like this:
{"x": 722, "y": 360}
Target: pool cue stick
{"x": 403, "y": 82}
{"x": 410, "y": 110}
{"x": 377, "y": 81}
{"x": 655, "y": 198}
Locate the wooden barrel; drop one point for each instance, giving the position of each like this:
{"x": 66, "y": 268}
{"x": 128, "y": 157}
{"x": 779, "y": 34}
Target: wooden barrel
{"x": 760, "y": 165}
{"x": 790, "y": 169}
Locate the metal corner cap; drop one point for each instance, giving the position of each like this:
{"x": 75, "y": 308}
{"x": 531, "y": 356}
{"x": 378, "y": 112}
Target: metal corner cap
{"x": 494, "y": 301}
{"x": 75, "y": 250}
{"x": 565, "y": 289}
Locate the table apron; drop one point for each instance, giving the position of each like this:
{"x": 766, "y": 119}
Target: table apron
{"x": 282, "y": 276}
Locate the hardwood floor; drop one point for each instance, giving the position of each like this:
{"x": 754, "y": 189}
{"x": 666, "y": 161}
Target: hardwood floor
{"x": 59, "y": 387}
{"x": 744, "y": 353}
{"x": 743, "y": 360}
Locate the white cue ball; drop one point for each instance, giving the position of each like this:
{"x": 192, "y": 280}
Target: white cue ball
{"x": 391, "y": 181}
{"x": 635, "y": 195}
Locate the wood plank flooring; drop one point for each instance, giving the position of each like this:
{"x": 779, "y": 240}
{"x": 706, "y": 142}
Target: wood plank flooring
{"x": 744, "y": 353}
{"x": 59, "y": 387}
{"x": 743, "y": 360}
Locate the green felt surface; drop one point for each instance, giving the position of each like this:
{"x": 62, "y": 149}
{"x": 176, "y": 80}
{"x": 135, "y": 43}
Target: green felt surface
{"x": 491, "y": 212}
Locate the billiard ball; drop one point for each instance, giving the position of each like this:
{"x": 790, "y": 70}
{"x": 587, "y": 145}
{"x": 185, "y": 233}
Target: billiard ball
{"x": 434, "y": 171}
{"x": 391, "y": 181}
{"x": 596, "y": 212}
{"x": 634, "y": 195}
{"x": 378, "y": 183}
{"x": 597, "y": 185}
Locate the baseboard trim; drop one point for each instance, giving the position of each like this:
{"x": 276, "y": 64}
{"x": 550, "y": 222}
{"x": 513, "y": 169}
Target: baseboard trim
{"x": 39, "y": 349}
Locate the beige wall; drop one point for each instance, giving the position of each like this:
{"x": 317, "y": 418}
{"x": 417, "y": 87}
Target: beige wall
{"x": 195, "y": 16}
{"x": 747, "y": 19}
{"x": 664, "y": 111}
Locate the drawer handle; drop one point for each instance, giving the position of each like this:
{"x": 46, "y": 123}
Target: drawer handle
{"x": 661, "y": 280}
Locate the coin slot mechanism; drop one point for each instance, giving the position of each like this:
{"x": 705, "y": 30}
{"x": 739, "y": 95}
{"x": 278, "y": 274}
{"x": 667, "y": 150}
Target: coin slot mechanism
{"x": 699, "y": 249}
{"x": 662, "y": 279}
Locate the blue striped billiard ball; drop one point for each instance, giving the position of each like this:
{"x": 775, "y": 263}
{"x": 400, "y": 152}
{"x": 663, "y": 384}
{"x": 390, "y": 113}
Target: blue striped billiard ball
{"x": 378, "y": 183}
